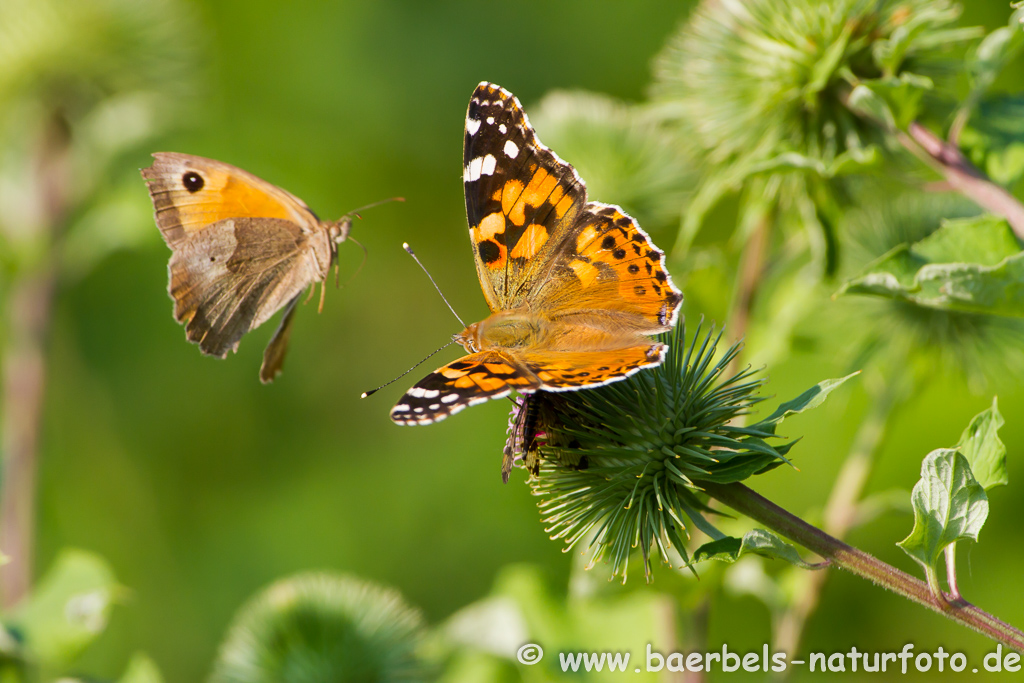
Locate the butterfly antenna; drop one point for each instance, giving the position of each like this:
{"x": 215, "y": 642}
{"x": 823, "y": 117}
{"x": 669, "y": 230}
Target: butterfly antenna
{"x": 355, "y": 212}
{"x": 373, "y": 391}
{"x": 405, "y": 245}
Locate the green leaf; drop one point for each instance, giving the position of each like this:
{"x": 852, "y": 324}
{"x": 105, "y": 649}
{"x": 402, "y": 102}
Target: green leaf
{"x": 827, "y": 64}
{"x": 69, "y": 607}
{"x": 994, "y": 138}
{"x": 756, "y": 542}
{"x": 141, "y": 669}
{"x": 812, "y": 398}
{"x": 992, "y": 55}
{"x": 984, "y": 451}
{"x": 971, "y": 265}
{"x": 949, "y": 506}
{"x": 867, "y": 102}
{"x": 895, "y": 101}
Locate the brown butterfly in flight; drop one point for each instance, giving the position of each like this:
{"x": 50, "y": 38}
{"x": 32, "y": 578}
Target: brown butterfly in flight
{"x": 242, "y": 249}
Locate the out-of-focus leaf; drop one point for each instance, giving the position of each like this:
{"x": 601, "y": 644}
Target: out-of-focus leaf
{"x": 495, "y": 625}
{"x": 972, "y": 265}
{"x": 68, "y": 609}
{"x": 949, "y": 506}
{"x": 756, "y": 542}
{"x": 994, "y": 138}
{"x": 893, "y": 101}
{"x": 141, "y": 669}
{"x": 613, "y": 622}
{"x": 851, "y": 161}
{"x": 993, "y": 53}
{"x": 984, "y": 451}
{"x": 923, "y": 28}
{"x": 866, "y": 101}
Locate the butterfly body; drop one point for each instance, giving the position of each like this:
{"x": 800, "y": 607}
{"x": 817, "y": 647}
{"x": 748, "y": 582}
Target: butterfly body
{"x": 242, "y": 249}
{"x": 574, "y": 286}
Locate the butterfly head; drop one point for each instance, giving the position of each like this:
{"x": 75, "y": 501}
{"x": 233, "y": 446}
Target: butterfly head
{"x": 338, "y": 230}
{"x": 469, "y": 338}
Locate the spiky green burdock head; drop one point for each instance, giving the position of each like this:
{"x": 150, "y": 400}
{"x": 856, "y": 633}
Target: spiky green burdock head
{"x": 322, "y": 627}
{"x": 623, "y": 464}
{"x": 764, "y": 77}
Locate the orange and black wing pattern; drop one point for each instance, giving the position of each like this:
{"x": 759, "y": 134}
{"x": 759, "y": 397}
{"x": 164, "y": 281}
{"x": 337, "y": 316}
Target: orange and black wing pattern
{"x": 467, "y": 381}
{"x": 521, "y": 199}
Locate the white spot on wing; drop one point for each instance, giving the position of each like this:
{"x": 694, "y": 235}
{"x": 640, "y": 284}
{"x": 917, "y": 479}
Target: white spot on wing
{"x": 488, "y": 165}
{"x": 473, "y": 170}
{"x": 446, "y": 399}
{"x": 472, "y": 125}
{"x": 502, "y": 129}
{"x": 511, "y": 149}
{"x": 490, "y": 120}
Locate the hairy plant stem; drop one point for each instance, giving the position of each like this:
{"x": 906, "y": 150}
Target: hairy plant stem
{"x": 29, "y": 307}
{"x": 751, "y": 271}
{"x": 746, "y": 501}
{"x": 24, "y": 377}
{"x": 962, "y": 175}
{"x": 840, "y": 514}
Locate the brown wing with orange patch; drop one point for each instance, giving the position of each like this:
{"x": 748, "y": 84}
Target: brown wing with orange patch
{"x": 190, "y": 193}
{"x": 467, "y": 381}
{"x": 566, "y": 371}
{"x": 609, "y": 268}
{"x": 521, "y": 198}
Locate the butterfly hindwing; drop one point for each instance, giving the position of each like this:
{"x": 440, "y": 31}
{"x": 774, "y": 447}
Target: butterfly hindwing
{"x": 229, "y": 277}
{"x": 610, "y": 267}
{"x": 566, "y": 371}
{"x": 467, "y": 381}
{"x": 520, "y": 197}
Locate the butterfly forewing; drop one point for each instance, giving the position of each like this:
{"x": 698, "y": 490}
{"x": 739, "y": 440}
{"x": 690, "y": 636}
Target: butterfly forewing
{"x": 190, "y": 193}
{"x": 521, "y": 198}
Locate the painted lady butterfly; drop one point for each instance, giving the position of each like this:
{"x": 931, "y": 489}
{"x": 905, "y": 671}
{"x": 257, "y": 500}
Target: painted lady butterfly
{"x": 573, "y": 285}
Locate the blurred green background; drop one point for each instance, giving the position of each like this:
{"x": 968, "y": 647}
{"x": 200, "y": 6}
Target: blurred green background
{"x": 199, "y": 485}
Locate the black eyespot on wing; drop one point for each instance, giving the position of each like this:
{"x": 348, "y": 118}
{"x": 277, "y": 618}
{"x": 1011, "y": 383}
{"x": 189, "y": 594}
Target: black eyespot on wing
{"x": 489, "y": 251}
{"x": 608, "y": 242}
{"x": 192, "y": 181}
